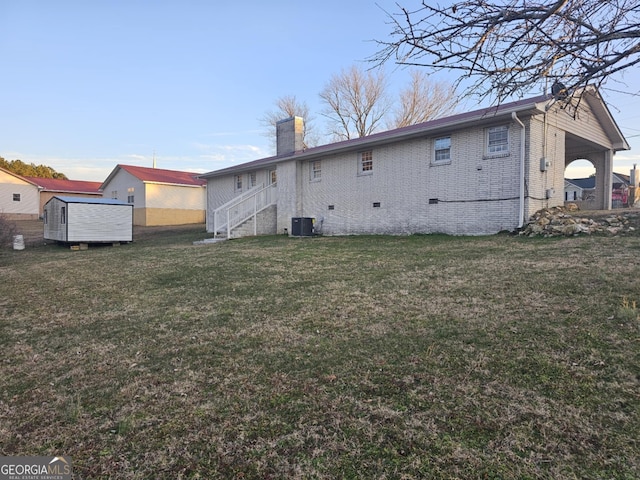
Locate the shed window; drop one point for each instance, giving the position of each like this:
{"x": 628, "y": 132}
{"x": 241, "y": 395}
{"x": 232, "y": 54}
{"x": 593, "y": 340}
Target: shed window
{"x": 16, "y": 197}
{"x": 63, "y": 215}
{"x": 497, "y": 140}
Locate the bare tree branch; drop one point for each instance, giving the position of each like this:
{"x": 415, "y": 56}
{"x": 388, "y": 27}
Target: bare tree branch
{"x": 509, "y": 48}
{"x": 356, "y": 103}
{"x": 286, "y": 107}
{"x": 423, "y": 100}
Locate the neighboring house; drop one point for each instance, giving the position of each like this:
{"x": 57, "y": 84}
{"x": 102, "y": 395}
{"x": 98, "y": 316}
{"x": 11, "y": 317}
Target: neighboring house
{"x": 159, "y": 197}
{"x": 583, "y": 191}
{"x": 478, "y": 172}
{"x": 580, "y": 190}
{"x": 87, "y": 220}
{"x": 50, "y": 187}
{"x": 19, "y": 197}
{"x": 18, "y": 194}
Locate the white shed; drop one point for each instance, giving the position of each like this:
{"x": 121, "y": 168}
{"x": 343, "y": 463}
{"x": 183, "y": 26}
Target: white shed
{"x": 88, "y": 220}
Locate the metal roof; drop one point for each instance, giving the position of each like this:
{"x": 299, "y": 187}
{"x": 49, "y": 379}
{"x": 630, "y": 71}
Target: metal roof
{"x": 530, "y": 106}
{"x": 68, "y": 186}
{"x": 97, "y": 201}
{"x": 158, "y": 175}
{"x": 485, "y": 115}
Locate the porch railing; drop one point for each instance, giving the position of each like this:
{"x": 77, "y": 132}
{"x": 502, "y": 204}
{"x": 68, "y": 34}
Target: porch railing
{"x": 240, "y": 209}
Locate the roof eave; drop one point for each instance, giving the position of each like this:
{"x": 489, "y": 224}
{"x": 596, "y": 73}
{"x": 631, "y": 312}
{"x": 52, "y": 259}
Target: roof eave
{"x": 618, "y": 142}
{"x": 485, "y": 116}
{"x": 151, "y": 182}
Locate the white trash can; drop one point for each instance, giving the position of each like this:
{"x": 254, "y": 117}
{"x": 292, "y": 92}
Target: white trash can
{"x": 18, "y": 242}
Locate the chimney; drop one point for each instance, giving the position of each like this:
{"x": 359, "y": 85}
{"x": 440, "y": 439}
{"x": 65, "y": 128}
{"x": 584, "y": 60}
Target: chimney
{"x": 289, "y": 136}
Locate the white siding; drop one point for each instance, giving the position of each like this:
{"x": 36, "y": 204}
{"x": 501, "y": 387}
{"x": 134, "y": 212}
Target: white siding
{"x": 174, "y": 196}
{"x": 119, "y": 188}
{"x": 99, "y": 223}
{"x": 29, "y": 203}
{"x": 54, "y": 229}
{"x": 580, "y": 121}
{"x": 87, "y": 222}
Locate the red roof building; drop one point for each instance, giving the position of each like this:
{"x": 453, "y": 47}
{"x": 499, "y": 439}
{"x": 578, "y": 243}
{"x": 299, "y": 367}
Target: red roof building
{"x": 50, "y": 187}
{"x": 159, "y": 196}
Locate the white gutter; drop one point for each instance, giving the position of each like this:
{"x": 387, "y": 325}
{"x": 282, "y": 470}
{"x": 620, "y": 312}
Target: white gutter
{"x": 522, "y": 153}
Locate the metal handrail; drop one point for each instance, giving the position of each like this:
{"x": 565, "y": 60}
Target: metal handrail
{"x": 241, "y": 208}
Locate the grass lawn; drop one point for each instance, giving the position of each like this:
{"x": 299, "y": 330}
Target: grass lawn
{"x": 347, "y": 357}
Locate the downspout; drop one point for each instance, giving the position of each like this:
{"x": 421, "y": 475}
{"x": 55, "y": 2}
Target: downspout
{"x": 522, "y": 154}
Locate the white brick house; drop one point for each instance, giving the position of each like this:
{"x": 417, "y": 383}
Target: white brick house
{"x": 474, "y": 173}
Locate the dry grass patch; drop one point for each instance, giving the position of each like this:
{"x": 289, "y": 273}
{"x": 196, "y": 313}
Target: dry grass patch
{"x": 362, "y": 357}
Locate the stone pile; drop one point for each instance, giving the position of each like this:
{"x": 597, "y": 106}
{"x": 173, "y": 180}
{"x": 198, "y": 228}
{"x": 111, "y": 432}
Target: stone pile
{"x": 565, "y": 221}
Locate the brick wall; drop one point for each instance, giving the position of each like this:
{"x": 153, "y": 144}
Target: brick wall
{"x": 476, "y": 194}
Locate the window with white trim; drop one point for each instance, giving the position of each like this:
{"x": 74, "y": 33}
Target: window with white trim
{"x": 252, "y": 180}
{"x": 237, "y": 180}
{"x": 315, "y": 170}
{"x": 130, "y": 194}
{"x": 497, "y": 140}
{"x": 365, "y": 163}
{"x": 273, "y": 177}
{"x": 442, "y": 150}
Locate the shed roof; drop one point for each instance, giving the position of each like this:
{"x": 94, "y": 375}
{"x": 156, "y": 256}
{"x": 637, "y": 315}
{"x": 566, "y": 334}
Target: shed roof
{"x": 92, "y": 200}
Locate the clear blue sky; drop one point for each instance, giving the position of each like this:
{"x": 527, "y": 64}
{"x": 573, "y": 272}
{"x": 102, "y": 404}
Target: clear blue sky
{"x": 86, "y": 85}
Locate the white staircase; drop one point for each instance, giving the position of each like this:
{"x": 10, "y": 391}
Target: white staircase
{"x": 232, "y": 220}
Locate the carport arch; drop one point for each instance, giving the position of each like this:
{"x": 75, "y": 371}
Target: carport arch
{"x": 577, "y": 148}
{"x": 581, "y": 190}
